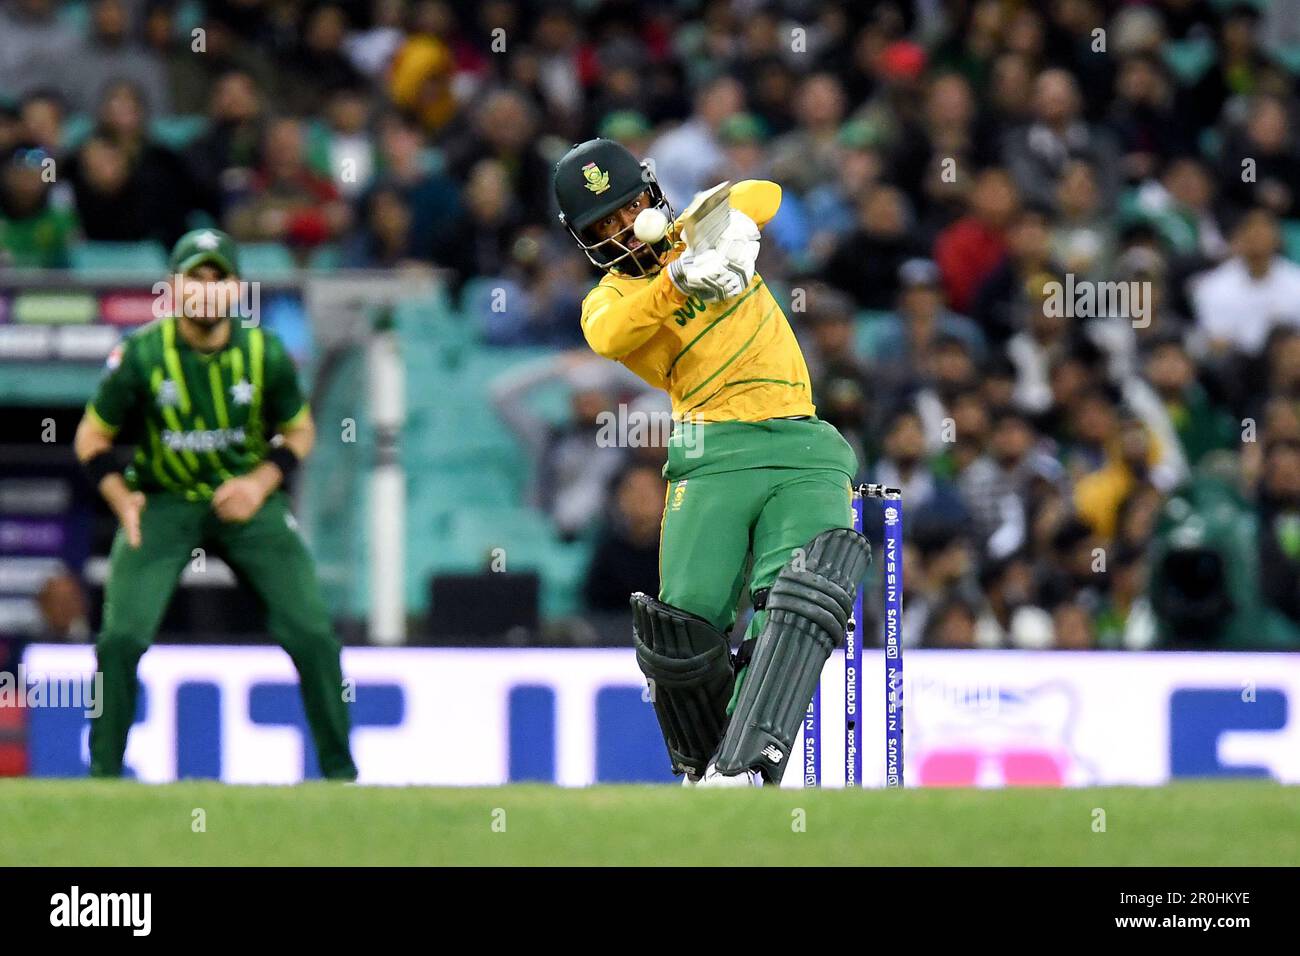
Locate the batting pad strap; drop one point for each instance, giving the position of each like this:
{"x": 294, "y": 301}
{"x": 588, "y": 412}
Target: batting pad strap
{"x": 807, "y": 611}
{"x": 813, "y": 596}
{"x": 687, "y": 663}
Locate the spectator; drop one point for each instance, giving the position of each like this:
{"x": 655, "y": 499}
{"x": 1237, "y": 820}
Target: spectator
{"x": 1010, "y": 617}
{"x": 505, "y": 125}
{"x": 842, "y": 384}
{"x": 973, "y": 246}
{"x": 935, "y": 503}
{"x": 912, "y": 332}
{"x": 953, "y": 626}
{"x": 1201, "y": 426}
{"x": 1014, "y": 284}
{"x": 1125, "y": 620}
{"x": 1121, "y": 454}
{"x": 43, "y": 113}
{"x": 995, "y": 486}
{"x": 160, "y": 189}
{"x": 626, "y": 555}
{"x": 1238, "y": 302}
{"x": 1009, "y": 105}
{"x": 1279, "y": 528}
{"x": 866, "y": 262}
{"x": 807, "y": 156}
{"x": 420, "y": 82}
{"x": 224, "y": 160}
{"x": 111, "y": 56}
{"x": 1144, "y": 118}
{"x": 831, "y": 205}
{"x": 1235, "y": 70}
{"x": 1181, "y": 205}
{"x": 481, "y": 243}
{"x": 1259, "y": 165}
{"x": 111, "y": 202}
{"x": 571, "y": 470}
{"x": 628, "y": 127}
{"x": 287, "y": 202}
{"x": 317, "y": 68}
{"x": 433, "y": 196}
{"x": 36, "y": 47}
{"x": 34, "y": 232}
{"x": 1037, "y": 154}
{"x": 383, "y": 240}
{"x": 192, "y": 79}
{"x": 1083, "y": 239}
{"x": 372, "y": 49}
{"x": 343, "y": 149}
{"x": 687, "y": 157}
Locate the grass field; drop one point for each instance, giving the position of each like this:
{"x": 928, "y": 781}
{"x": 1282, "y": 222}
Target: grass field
{"x": 78, "y": 823}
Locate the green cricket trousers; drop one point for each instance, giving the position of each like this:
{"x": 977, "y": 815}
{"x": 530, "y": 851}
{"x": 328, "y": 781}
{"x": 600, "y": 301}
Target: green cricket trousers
{"x": 269, "y": 555}
{"x": 741, "y": 489}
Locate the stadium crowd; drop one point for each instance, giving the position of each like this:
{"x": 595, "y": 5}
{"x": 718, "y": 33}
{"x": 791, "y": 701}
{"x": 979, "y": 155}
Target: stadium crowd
{"x": 944, "y": 165}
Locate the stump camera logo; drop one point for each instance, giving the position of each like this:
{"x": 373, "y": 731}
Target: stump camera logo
{"x": 77, "y": 909}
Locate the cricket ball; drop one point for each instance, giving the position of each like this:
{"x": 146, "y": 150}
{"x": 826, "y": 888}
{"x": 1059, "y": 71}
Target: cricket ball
{"x": 651, "y": 225}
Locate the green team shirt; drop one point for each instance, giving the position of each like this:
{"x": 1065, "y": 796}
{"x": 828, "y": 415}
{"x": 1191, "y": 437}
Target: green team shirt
{"x": 200, "y": 417}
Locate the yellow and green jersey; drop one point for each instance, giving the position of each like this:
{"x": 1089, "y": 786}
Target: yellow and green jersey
{"x": 719, "y": 361}
{"x": 199, "y": 418}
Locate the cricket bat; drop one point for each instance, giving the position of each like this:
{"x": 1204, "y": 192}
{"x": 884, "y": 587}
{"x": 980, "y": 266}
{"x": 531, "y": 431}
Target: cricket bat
{"x": 706, "y": 217}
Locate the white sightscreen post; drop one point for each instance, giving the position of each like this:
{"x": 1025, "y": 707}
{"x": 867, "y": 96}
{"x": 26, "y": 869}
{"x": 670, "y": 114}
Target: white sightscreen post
{"x": 387, "y": 381}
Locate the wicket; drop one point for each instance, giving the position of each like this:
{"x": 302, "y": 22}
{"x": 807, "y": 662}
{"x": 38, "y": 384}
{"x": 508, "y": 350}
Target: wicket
{"x": 892, "y": 577}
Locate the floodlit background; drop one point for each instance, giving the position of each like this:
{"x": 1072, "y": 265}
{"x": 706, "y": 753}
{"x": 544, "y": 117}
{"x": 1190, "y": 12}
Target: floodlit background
{"x": 1123, "y": 477}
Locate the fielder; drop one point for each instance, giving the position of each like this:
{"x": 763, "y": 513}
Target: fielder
{"x": 753, "y": 474}
{"x": 203, "y": 395}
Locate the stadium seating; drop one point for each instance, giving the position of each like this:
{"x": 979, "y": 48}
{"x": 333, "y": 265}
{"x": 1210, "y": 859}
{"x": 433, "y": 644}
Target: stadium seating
{"x": 267, "y": 261}
{"x": 122, "y": 261}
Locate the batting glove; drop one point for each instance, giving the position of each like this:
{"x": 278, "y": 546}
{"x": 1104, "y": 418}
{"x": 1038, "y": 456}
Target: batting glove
{"x": 707, "y": 274}
{"x": 739, "y": 245}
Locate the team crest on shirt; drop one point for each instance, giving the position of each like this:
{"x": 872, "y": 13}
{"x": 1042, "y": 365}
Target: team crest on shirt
{"x": 241, "y": 393}
{"x": 169, "y": 396}
{"x": 597, "y": 179}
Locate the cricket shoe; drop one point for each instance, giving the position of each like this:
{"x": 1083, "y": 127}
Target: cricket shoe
{"x": 711, "y": 778}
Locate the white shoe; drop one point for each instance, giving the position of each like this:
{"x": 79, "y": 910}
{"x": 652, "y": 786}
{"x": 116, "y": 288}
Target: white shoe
{"x": 711, "y": 778}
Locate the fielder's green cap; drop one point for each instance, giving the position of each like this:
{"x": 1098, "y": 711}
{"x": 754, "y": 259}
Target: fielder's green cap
{"x": 205, "y": 246}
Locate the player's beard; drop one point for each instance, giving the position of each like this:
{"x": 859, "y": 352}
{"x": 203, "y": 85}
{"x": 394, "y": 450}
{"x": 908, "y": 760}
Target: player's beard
{"x": 643, "y": 260}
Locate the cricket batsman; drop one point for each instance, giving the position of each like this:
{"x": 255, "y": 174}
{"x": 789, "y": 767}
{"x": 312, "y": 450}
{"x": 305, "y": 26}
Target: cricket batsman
{"x": 219, "y": 424}
{"x": 753, "y": 476}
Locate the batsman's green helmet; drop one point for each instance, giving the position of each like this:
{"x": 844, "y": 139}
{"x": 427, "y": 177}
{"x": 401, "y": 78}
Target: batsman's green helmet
{"x": 202, "y": 247}
{"x": 595, "y": 179}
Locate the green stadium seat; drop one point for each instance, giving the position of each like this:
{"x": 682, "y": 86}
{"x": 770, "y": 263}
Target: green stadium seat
{"x": 872, "y": 328}
{"x": 1188, "y": 59}
{"x": 563, "y": 577}
{"x": 327, "y": 258}
{"x": 178, "y": 132}
{"x": 125, "y": 261}
{"x": 1291, "y": 239}
{"x": 76, "y": 128}
{"x": 267, "y": 261}
{"x": 1288, "y": 55}
{"x": 75, "y": 15}
{"x": 517, "y": 538}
